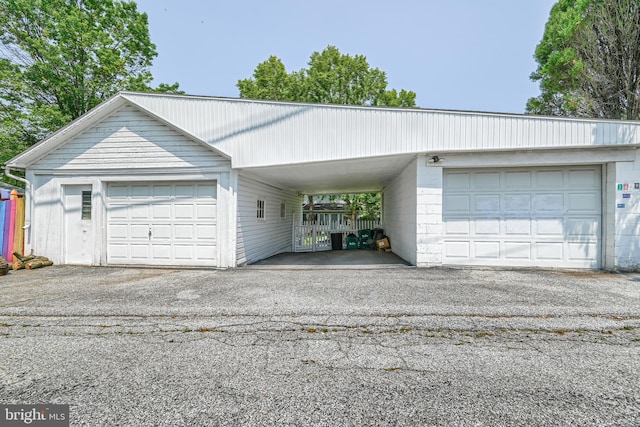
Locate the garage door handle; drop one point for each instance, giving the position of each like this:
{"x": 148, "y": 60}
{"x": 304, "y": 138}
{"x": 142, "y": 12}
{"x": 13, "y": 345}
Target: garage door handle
{"x": 149, "y": 232}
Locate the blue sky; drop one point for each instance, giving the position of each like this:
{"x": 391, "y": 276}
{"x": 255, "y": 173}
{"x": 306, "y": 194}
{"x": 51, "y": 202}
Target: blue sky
{"x": 455, "y": 54}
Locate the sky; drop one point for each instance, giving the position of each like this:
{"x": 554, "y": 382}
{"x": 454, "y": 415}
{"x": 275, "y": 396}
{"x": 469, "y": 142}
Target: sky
{"x": 473, "y": 55}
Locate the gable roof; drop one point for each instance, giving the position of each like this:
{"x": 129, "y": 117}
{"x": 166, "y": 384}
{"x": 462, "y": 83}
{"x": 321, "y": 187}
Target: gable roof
{"x": 86, "y": 121}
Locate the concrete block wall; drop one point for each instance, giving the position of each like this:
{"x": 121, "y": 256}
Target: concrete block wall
{"x": 429, "y": 230}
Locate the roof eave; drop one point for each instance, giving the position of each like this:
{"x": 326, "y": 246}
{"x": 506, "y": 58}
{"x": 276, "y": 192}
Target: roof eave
{"x": 40, "y": 149}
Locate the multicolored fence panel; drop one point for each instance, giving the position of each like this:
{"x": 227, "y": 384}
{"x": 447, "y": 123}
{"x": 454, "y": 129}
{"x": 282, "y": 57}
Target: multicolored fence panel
{"x": 12, "y": 227}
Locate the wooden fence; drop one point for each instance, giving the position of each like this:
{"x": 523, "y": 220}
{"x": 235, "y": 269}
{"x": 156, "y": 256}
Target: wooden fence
{"x": 309, "y": 237}
{"x": 12, "y": 227}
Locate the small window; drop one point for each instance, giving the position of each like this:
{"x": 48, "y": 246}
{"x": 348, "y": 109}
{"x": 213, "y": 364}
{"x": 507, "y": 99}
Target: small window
{"x": 283, "y": 210}
{"x": 260, "y": 210}
{"x": 86, "y": 205}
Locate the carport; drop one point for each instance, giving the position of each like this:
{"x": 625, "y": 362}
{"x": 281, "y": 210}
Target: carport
{"x": 364, "y": 175}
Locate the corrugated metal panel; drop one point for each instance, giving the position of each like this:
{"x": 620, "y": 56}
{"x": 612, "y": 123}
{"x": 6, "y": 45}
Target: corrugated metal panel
{"x": 256, "y": 133}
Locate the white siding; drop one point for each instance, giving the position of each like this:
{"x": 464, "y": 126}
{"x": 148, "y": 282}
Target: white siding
{"x": 261, "y": 133}
{"x": 399, "y": 213}
{"x": 128, "y": 138}
{"x": 261, "y": 238}
{"x": 627, "y": 214}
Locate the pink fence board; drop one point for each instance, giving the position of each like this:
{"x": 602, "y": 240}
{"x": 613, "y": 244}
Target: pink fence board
{"x": 11, "y": 227}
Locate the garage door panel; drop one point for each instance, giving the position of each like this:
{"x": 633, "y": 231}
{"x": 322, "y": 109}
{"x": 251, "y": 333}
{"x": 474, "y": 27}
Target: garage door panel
{"x": 524, "y": 216}
{"x": 117, "y": 251}
{"x": 184, "y": 252}
{"x": 186, "y": 191}
{"x": 118, "y": 192}
{"x": 205, "y": 190}
{"x": 487, "y": 226}
{"x": 550, "y": 227}
{"x": 514, "y": 203}
{"x": 582, "y": 250}
{"x": 486, "y": 203}
{"x": 117, "y": 231}
{"x": 181, "y": 217}
{"x": 549, "y": 179}
{"x": 453, "y": 249}
{"x": 139, "y": 211}
{"x": 517, "y": 226}
{"x": 161, "y": 191}
{"x": 206, "y": 232}
{"x": 486, "y": 180}
{"x": 184, "y": 211}
{"x": 459, "y": 180}
{"x": 586, "y": 228}
{"x": 206, "y": 252}
{"x": 457, "y": 226}
{"x": 140, "y": 191}
{"x": 518, "y": 250}
{"x": 545, "y": 203}
{"x": 518, "y": 179}
{"x": 584, "y": 202}
{"x": 161, "y": 210}
{"x": 118, "y": 211}
{"x": 206, "y": 211}
{"x": 550, "y": 251}
{"x": 486, "y": 250}
{"x": 457, "y": 203}
{"x": 581, "y": 178}
{"x": 139, "y": 252}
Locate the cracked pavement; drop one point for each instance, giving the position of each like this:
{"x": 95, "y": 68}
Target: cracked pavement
{"x": 468, "y": 347}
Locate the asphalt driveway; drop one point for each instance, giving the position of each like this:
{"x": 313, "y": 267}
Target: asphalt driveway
{"x": 387, "y": 346}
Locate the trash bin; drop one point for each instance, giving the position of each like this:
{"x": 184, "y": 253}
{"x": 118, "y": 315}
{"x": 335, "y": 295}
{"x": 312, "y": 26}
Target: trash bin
{"x": 352, "y": 241}
{"x": 336, "y": 241}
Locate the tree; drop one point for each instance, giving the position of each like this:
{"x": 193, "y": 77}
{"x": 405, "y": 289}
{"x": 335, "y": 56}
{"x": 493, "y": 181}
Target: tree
{"x": 60, "y": 58}
{"x": 332, "y": 78}
{"x": 589, "y": 60}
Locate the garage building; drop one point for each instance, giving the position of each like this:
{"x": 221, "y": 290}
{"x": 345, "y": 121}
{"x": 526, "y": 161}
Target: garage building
{"x": 158, "y": 179}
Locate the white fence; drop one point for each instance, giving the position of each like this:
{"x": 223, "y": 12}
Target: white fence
{"x": 317, "y": 237}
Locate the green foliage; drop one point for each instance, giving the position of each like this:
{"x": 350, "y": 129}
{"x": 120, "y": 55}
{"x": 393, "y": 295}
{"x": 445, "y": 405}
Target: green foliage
{"x": 331, "y": 78}
{"x": 589, "y": 60}
{"x": 60, "y": 58}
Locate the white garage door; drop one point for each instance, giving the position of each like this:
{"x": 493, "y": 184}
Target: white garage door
{"x": 546, "y": 217}
{"x": 162, "y": 224}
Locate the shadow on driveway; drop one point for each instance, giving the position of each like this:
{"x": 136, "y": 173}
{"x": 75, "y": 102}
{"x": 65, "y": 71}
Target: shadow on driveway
{"x": 344, "y": 260}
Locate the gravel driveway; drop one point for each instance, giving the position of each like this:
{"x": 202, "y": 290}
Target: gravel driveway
{"x": 387, "y": 347}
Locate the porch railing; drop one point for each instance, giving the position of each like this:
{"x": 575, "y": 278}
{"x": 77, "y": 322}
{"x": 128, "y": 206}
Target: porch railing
{"x": 311, "y": 237}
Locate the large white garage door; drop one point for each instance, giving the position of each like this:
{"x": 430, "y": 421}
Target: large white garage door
{"x": 547, "y": 217}
{"x": 162, "y": 224}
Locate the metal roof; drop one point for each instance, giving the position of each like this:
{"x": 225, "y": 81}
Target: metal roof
{"x": 324, "y": 149}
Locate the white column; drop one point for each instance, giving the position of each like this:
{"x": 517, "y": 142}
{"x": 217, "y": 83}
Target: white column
{"x": 429, "y": 229}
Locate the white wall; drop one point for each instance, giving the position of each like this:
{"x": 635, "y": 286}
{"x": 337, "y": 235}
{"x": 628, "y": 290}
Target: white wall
{"x": 429, "y": 233}
{"x": 261, "y": 238}
{"x": 627, "y": 218}
{"x": 399, "y": 213}
{"x": 129, "y": 138}
{"x": 127, "y": 146}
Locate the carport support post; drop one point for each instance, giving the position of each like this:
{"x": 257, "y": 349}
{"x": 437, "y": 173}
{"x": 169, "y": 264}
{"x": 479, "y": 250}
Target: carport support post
{"x": 313, "y": 224}
{"x": 429, "y": 226}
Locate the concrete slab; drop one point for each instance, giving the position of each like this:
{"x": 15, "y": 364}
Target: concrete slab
{"x": 356, "y": 259}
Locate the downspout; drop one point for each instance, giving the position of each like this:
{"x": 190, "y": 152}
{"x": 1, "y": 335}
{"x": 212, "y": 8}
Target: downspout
{"x": 28, "y": 208}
